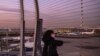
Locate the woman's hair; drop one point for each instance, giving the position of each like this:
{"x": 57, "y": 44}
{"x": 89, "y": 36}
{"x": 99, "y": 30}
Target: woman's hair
{"x": 48, "y": 33}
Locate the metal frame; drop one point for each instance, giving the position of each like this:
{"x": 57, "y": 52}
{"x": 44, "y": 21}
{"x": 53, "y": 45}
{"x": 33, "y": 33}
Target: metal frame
{"x": 22, "y": 29}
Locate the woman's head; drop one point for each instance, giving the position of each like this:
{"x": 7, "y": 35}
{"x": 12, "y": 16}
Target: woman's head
{"x": 49, "y": 33}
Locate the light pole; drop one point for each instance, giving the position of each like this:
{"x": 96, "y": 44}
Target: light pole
{"x": 82, "y": 14}
{"x": 82, "y": 26}
{"x": 22, "y": 29}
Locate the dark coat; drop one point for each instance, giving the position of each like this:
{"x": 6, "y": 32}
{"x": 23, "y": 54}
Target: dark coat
{"x": 50, "y": 46}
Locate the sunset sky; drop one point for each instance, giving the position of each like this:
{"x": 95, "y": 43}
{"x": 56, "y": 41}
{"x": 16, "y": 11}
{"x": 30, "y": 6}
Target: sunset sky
{"x": 55, "y": 13}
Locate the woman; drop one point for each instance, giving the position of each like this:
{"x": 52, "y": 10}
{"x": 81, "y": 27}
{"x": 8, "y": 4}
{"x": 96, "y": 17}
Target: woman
{"x": 50, "y": 44}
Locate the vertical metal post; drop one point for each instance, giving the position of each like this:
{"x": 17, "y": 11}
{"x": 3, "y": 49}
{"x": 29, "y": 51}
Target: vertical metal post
{"x": 37, "y": 32}
{"x": 39, "y": 39}
{"x": 22, "y": 29}
{"x": 7, "y": 32}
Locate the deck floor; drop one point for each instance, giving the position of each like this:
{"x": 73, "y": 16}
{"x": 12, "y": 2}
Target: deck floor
{"x": 80, "y": 47}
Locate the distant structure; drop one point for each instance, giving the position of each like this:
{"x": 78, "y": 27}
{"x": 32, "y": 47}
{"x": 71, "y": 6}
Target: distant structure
{"x": 89, "y": 33}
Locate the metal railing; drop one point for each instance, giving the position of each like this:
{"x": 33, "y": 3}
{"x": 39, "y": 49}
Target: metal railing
{"x": 14, "y": 53}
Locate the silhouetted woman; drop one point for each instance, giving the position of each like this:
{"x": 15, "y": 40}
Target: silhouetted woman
{"x": 50, "y": 44}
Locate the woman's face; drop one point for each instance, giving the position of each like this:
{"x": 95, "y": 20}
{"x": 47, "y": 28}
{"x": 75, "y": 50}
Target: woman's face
{"x": 53, "y": 35}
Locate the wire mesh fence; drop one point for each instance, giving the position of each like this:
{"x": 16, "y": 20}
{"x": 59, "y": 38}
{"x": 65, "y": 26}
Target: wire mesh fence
{"x": 68, "y": 18}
